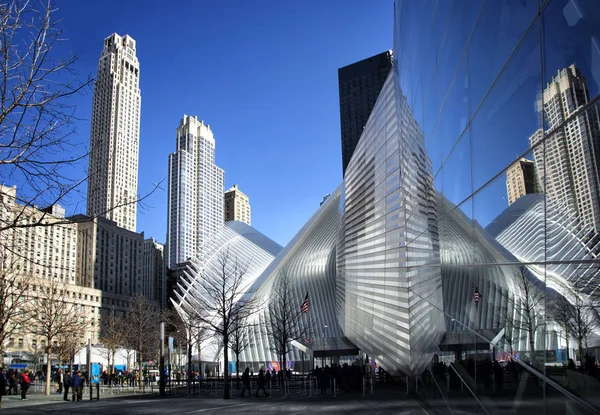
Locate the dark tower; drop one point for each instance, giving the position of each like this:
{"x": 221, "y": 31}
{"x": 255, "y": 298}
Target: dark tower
{"x": 360, "y": 84}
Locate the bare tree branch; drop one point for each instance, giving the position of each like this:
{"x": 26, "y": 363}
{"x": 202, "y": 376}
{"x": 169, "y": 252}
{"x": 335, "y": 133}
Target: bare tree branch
{"x": 286, "y": 320}
{"x": 225, "y": 302}
{"x": 55, "y": 318}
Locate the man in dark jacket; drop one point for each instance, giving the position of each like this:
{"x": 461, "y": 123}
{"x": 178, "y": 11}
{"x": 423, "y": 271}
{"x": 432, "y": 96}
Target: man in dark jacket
{"x": 246, "y": 382}
{"x": 66, "y": 384}
{"x": 261, "y": 382}
{"x": 77, "y": 386}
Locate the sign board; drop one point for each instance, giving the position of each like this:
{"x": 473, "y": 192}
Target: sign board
{"x": 171, "y": 344}
{"x": 95, "y": 378}
{"x": 18, "y": 365}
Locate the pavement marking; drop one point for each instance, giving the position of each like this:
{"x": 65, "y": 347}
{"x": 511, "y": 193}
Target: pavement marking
{"x": 213, "y": 408}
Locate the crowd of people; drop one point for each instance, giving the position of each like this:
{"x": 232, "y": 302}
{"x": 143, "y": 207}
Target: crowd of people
{"x": 12, "y": 383}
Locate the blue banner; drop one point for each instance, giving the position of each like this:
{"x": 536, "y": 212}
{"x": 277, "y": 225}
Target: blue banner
{"x": 171, "y": 344}
{"x": 95, "y": 373}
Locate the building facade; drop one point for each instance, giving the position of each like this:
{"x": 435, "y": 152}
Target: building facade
{"x": 41, "y": 253}
{"x": 154, "y": 273}
{"x": 115, "y": 134}
{"x": 195, "y": 196}
{"x": 520, "y": 180}
{"x": 359, "y": 86}
{"x": 109, "y": 257}
{"x": 237, "y": 205}
{"x": 569, "y": 157}
{"x": 46, "y": 249}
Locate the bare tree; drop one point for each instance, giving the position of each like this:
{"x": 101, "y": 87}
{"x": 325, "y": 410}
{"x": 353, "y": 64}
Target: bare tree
{"x": 142, "y": 324}
{"x": 190, "y": 331}
{"x": 67, "y": 344}
{"x": 112, "y": 336}
{"x": 37, "y": 114}
{"x": 529, "y": 308}
{"x": 582, "y": 324}
{"x": 226, "y": 302}
{"x": 15, "y": 307}
{"x": 562, "y": 314}
{"x": 508, "y": 321}
{"x": 56, "y": 317}
{"x": 36, "y": 350}
{"x": 286, "y": 321}
{"x": 238, "y": 342}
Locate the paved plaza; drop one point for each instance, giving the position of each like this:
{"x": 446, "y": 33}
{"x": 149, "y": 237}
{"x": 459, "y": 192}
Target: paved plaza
{"x": 385, "y": 402}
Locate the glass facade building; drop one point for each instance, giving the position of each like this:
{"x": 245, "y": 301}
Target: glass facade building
{"x": 419, "y": 259}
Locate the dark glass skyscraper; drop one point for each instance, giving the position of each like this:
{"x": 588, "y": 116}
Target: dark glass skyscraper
{"x": 360, "y": 84}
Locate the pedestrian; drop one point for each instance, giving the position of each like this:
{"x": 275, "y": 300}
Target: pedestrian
{"x": 325, "y": 379}
{"x": 261, "y": 382}
{"x": 58, "y": 379}
{"x": 246, "y": 382}
{"x": 12, "y": 382}
{"x": 66, "y": 384}
{"x": 3, "y": 383}
{"x": 77, "y": 386}
{"x": 24, "y": 382}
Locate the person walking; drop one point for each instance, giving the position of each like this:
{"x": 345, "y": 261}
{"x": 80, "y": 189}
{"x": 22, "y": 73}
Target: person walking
{"x": 77, "y": 386}
{"x": 246, "y": 382}
{"x": 25, "y": 383}
{"x": 66, "y": 384}
{"x": 3, "y": 384}
{"x": 261, "y": 382}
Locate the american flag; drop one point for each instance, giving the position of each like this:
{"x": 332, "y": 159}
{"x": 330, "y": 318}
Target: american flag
{"x": 304, "y": 306}
{"x": 476, "y": 295}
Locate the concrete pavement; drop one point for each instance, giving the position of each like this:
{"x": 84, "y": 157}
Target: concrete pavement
{"x": 384, "y": 403}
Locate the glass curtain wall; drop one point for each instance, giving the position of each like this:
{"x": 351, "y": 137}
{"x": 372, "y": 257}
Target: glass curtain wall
{"x": 506, "y": 96}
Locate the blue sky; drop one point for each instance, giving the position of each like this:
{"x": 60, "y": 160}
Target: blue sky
{"x": 264, "y": 76}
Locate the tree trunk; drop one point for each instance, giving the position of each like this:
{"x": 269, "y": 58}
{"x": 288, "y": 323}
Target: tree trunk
{"x": 189, "y": 362}
{"x": 140, "y": 368}
{"x": 283, "y": 362}
{"x": 237, "y": 370}
{"x": 48, "y": 370}
{"x": 225, "y": 368}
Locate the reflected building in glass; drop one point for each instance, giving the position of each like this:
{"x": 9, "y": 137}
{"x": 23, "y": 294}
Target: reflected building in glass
{"x": 520, "y": 180}
{"x": 569, "y": 164}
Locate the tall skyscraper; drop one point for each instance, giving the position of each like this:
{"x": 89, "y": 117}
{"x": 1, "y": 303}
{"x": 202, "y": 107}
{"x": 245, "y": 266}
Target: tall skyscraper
{"x": 237, "y": 205}
{"x": 195, "y": 200}
{"x": 115, "y": 134}
{"x": 520, "y": 179}
{"x": 568, "y": 171}
{"x": 359, "y": 85}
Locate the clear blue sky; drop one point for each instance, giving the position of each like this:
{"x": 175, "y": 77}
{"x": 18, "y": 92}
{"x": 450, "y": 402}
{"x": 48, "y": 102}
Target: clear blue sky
{"x": 263, "y": 74}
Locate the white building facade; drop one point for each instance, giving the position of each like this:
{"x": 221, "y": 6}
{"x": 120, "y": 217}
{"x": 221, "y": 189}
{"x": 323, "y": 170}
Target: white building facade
{"x": 115, "y": 133}
{"x": 195, "y": 197}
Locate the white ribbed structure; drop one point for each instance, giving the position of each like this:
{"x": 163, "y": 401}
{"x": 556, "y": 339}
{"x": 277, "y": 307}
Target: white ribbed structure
{"x": 243, "y": 245}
